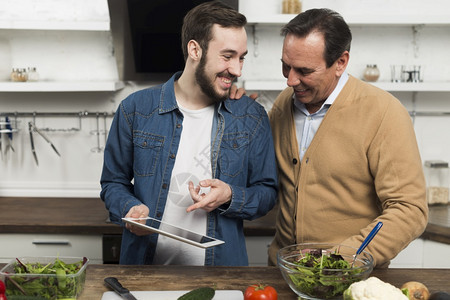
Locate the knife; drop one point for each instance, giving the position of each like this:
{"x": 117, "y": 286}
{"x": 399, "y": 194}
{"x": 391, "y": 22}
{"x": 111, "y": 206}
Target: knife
{"x": 30, "y": 130}
{"x": 114, "y": 283}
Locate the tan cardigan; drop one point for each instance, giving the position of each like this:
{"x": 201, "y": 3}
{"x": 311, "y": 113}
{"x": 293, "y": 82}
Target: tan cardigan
{"x": 363, "y": 166}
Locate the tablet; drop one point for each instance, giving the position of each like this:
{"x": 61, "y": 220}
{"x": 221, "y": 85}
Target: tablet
{"x": 175, "y": 232}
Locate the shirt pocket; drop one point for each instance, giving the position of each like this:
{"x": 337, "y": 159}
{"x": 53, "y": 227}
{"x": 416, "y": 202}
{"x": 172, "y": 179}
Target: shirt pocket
{"x": 233, "y": 153}
{"x": 147, "y": 150}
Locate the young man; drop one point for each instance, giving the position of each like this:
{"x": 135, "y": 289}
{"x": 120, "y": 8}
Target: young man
{"x": 183, "y": 153}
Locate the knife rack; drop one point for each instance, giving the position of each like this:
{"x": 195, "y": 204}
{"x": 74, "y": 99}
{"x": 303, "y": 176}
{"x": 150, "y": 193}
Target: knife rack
{"x": 79, "y": 115}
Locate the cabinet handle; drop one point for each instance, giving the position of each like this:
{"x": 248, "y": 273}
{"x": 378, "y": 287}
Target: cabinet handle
{"x": 44, "y": 242}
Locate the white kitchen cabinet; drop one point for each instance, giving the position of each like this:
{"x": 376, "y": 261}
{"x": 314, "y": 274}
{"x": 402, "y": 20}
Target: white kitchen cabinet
{"x": 423, "y": 254}
{"x": 68, "y": 86}
{"x": 55, "y": 38}
{"x": 31, "y": 245}
{"x": 55, "y": 25}
{"x": 358, "y": 19}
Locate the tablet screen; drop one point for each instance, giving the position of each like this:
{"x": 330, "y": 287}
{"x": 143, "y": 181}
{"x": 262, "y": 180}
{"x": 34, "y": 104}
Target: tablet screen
{"x": 175, "y": 232}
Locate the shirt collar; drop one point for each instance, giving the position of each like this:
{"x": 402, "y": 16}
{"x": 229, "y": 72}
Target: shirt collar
{"x": 342, "y": 81}
{"x": 167, "y": 100}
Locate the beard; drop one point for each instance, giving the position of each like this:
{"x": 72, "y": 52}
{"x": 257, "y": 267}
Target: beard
{"x": 207, "y": 85}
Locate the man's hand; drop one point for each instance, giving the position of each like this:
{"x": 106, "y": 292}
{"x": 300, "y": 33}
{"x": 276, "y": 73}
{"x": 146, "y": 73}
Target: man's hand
{"x": 138, "y": 211}
{"x": 236, "y": 93}
{"x": 219, "y": 194}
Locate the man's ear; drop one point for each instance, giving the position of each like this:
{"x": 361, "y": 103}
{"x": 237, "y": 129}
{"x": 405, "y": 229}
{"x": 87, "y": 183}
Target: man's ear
{"x": 342, "y": 62}
{"x": 194, "y": 50}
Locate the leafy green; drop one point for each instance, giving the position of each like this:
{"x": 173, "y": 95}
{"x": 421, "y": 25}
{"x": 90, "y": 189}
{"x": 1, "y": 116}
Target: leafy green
{"x": 325, "y": 276}
{"x": 55, "y": 280}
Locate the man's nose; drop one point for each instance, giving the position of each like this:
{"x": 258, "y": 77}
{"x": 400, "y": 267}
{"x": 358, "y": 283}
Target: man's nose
{"x": 235, "y": 67}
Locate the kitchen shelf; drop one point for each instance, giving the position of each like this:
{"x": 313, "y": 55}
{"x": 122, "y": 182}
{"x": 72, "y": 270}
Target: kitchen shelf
{"x": 376, "y": 20}
{"x": 56, "y": 25}
{"x": 278, "y": 85}
{"x": 57, "y": 86}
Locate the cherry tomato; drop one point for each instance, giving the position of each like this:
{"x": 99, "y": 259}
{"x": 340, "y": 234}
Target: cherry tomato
{"x": 2, "y": 288}
{"x": 260, "y": 292}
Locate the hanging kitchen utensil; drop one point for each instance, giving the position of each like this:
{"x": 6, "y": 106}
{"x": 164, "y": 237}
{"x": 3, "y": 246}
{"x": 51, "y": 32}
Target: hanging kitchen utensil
{"x": 9, "y": 134}
{"x": 97, "y": 132}
{"x": 30, "y": 130}
{"x": 1, "y": 149}
{"x": 46, "y": 139}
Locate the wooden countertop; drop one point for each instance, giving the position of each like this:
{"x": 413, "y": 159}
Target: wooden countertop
{"x": 88, "y": 216}
{"x": 55, "y": 215}
{"x": 159, "y": 278}
{"x": 173, "y": 278}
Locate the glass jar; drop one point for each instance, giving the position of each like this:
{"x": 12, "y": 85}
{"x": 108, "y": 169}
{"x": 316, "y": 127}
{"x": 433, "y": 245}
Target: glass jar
{"x": 291, "y": 7}
{"x": 14, "y": 74}
{"x": 19, "y": 75}
{"x": 437, "y": 178}
{"x": 33, "y": 74}
{"x": 371, "y": 73}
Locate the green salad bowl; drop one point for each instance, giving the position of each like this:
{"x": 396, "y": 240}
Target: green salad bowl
{"x": 322, "y": 271}
{"x": 46, "y": 278}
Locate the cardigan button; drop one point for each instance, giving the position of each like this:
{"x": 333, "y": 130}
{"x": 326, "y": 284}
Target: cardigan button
{"x": 294, "y": 161}
{"x": 164, "y": 186}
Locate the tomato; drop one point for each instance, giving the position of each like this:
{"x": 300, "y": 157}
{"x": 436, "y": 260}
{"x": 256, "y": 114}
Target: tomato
{"x": 260, "y": 292}
{"x": 2, "y": 288}
{"x": 2, "y": 291}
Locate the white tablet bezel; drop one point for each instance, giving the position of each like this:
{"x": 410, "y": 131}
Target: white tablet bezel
{"x": 212, "y": 243}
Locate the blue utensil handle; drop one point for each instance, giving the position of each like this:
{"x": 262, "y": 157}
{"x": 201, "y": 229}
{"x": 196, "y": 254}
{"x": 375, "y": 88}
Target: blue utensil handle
{"x": 369, "y": 237}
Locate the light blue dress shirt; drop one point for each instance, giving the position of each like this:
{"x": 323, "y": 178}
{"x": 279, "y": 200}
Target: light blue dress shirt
{"x": 306, "y": 124}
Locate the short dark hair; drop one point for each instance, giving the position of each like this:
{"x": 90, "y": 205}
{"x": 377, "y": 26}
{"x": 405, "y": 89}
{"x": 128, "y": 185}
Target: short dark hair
{"x": 198, "y": 22}
{"x": 336, "y": 32}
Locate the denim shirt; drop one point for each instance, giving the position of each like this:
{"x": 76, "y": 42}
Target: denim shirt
{"x": 140, "y": 155}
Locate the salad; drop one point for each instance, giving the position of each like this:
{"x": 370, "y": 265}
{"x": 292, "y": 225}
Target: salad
{"x": 52, "y": 280}
{"x": 324, "y": 275}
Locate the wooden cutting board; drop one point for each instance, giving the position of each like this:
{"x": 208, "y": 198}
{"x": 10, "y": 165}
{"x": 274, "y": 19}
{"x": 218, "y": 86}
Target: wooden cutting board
{"x": 173, "y": 295}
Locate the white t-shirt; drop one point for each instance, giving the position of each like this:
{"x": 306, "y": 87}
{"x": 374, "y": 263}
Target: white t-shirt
{"x": 192, "y": 163}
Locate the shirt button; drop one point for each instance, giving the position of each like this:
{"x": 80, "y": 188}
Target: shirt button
{"x": 294, "y": 161}
{"x": 144, "y": 144}
{"x": 164, "y": 186}
{"x": 158, "y": 215}
{"x": 172, "y": 156}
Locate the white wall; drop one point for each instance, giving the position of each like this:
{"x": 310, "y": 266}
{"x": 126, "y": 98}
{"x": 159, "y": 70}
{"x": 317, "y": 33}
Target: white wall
{"x": 88, "y": 55}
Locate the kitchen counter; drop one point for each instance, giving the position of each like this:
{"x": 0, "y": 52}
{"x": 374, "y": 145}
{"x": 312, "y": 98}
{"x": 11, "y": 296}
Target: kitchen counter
{"x": 173, "y": 278}
{"x": 158, "y": 278}
{"x": 89, "y": 216}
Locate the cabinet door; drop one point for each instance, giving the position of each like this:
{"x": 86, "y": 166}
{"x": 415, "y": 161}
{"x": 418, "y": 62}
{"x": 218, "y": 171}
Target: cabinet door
{"x": 257, "y": 249}
{"x": 22, "y": 245}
